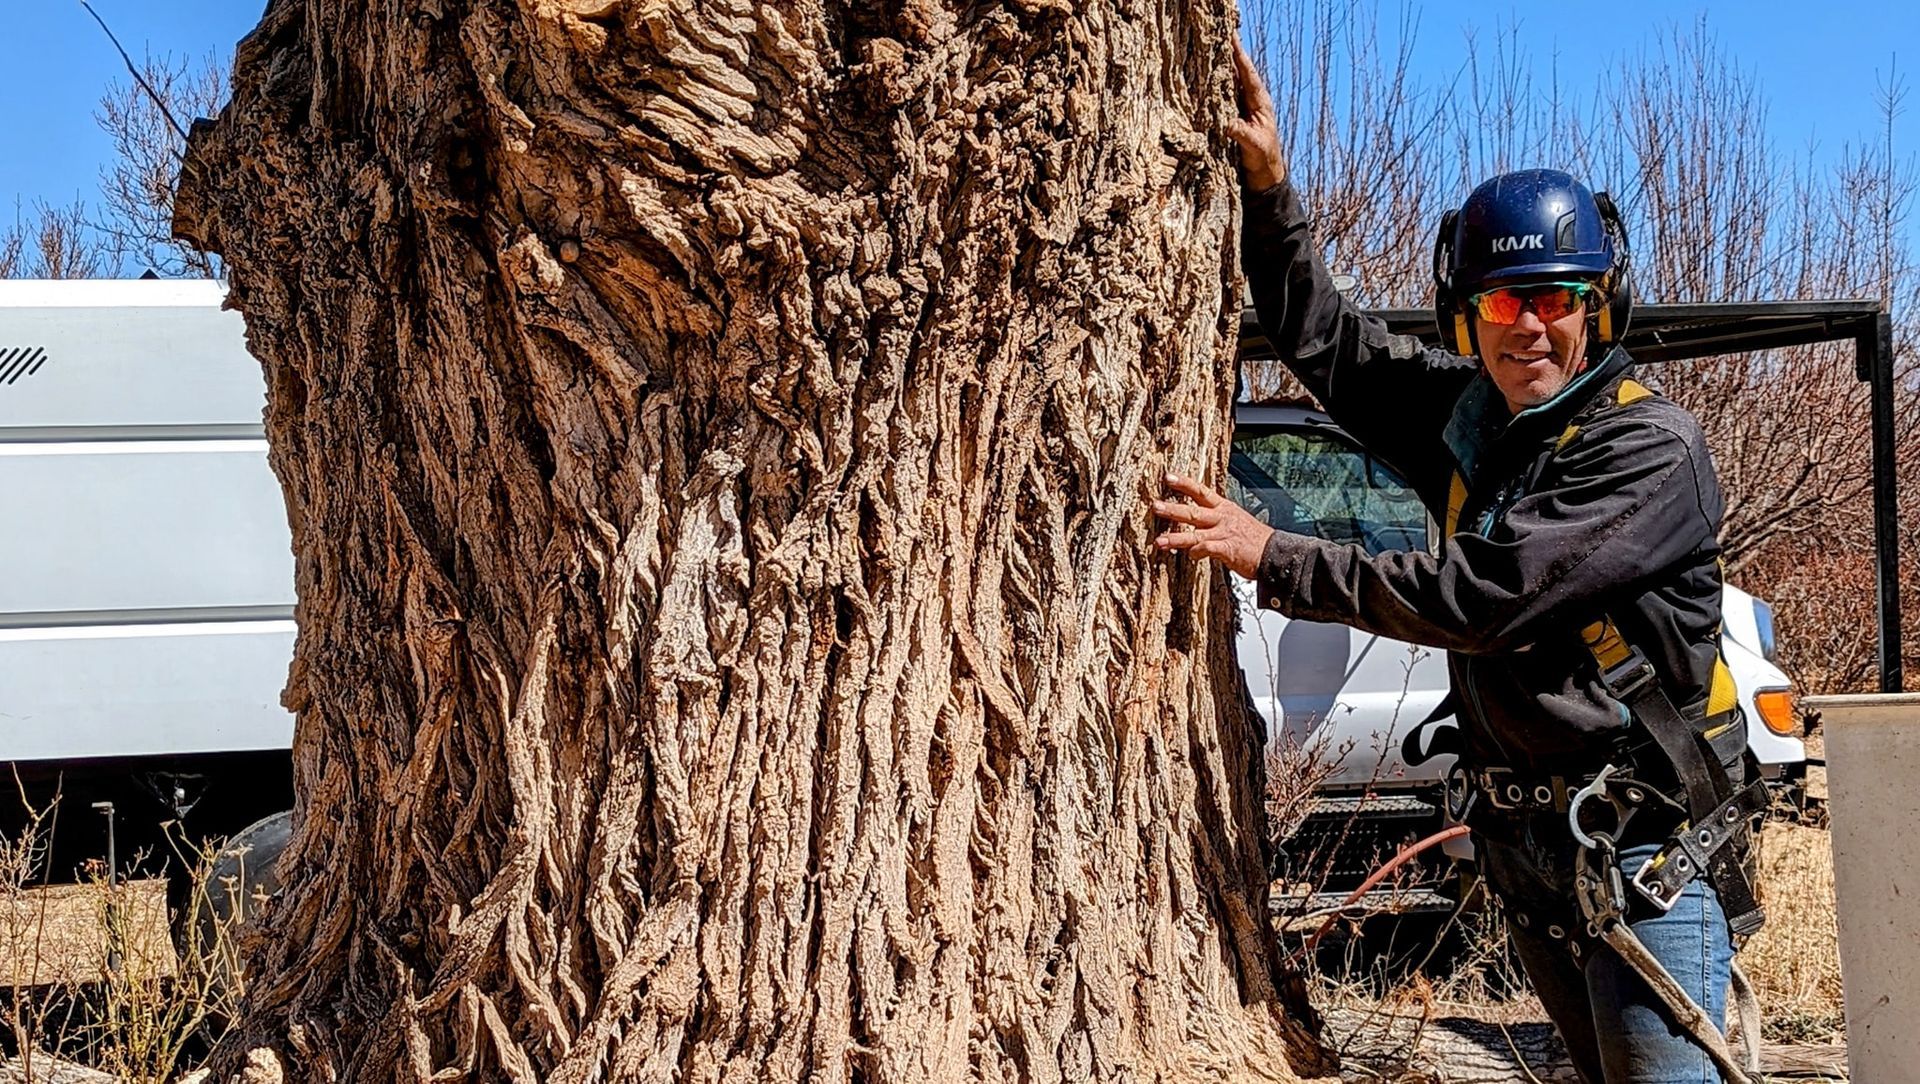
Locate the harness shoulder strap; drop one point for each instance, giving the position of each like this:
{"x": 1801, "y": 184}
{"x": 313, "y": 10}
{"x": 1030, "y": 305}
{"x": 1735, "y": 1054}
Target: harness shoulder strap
{"x": 1456, "y": 502}
{"x": 1713, "y": 842}
{"x": 1716, "y": 807}
{"x": 1631, "y": 391}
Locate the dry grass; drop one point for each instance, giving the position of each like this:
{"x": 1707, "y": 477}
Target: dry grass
{"x": 1795, "y": 961}
{"x": 90, "y": 978}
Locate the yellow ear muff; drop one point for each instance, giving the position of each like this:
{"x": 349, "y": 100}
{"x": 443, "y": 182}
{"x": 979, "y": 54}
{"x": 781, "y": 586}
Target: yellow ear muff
{"x": 1606, "y": 323}
{"x": 1462, "y": 340}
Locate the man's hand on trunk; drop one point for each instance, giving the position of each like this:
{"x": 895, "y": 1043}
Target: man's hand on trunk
{"x": 1258, "y": 129}
{"x": 1212, "y": 526}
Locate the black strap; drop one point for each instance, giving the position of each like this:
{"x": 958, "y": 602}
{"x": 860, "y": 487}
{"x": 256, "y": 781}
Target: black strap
{"x": 1703, "y": 778}
{"x": 1509, "y": 792}
{"x": 1711, "y": 844}
{"x": 1715, "y": 809}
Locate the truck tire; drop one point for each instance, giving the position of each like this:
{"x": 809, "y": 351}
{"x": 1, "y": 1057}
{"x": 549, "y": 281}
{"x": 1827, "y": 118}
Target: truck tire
{"x": 245, "y": 871}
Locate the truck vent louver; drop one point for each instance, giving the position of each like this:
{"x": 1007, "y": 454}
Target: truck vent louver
{"x": 19, "y": 361}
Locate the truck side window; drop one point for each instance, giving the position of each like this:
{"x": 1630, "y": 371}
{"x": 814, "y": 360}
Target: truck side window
{"x": 1317, "y": 483}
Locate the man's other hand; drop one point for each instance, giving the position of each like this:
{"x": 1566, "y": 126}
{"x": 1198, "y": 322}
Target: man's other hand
{"x": 1258, "y": 129}
{"x": 1215, "y": 527}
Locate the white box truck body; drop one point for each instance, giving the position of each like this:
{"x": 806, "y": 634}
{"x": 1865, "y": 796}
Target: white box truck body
{"x": 146, "y": 602}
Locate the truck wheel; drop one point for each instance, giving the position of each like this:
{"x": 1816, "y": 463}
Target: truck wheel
{"x": 244, "y": 873}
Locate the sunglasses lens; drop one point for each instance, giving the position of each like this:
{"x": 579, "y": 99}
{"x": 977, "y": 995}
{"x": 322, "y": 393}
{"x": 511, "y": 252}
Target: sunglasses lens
{"x": 1554, "y": 302}
{"x": 1549, "y": 301}
{"x": 1499, "y": 306}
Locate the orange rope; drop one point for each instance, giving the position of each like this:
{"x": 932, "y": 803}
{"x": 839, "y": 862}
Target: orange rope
{"x": 1381, "y": 874}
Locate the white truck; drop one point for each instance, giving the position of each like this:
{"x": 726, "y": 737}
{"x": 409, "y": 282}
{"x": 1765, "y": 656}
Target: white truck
{"x": 1339, "y": 702}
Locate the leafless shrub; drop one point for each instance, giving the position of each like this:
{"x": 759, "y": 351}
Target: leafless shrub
{"x": 138, "y": 184}
{"x": 27, "y": 1016}
{"x": 1296, "y": 771}
{"x": 92, "y": 977}
{"x": 132, "y": 230}
{"x": 50, "y": 242}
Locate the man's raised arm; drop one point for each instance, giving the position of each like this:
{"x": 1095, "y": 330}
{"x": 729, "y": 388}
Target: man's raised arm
{"x": 1390, "y": 392}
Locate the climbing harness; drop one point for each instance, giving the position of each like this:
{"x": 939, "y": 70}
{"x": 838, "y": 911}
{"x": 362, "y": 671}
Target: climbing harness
{"x": 1713, "y": 820}
{"x": 1712, "y": 839}
{"x": 1600, "y": 892}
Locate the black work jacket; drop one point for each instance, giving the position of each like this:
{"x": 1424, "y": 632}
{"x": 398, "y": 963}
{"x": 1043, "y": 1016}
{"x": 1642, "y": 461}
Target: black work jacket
{"x": 1574, "y": 511}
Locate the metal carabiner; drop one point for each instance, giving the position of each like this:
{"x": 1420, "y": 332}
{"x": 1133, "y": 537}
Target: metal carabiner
{"x": 1598, "y": 887}
{"x": 1595, "y": 789}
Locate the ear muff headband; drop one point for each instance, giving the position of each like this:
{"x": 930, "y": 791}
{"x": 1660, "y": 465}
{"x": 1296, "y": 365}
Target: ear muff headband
{"x": 1610, "y": 323}
{"x": 1449, "y": 318}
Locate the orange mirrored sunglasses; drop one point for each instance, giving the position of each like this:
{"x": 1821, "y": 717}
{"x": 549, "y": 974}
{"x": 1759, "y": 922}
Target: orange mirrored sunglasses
{"x": 1549, "y": 301}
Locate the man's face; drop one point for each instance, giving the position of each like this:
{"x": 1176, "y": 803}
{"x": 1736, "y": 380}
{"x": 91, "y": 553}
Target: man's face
{"x": 1532, "y": 360}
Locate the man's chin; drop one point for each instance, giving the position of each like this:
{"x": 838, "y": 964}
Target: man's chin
{"x": 1535, "y": 393}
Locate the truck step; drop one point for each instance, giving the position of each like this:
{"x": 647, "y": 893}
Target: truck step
{"x": 1291, "y": 909}
{"x": 1373, "y": 805}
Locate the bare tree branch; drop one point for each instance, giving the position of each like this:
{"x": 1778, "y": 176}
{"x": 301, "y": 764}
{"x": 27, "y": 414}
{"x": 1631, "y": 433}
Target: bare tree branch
{"x": 135, "y": 72}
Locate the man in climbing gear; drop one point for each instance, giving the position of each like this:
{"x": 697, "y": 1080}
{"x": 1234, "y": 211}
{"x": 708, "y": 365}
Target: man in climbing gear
{"x": 1576, "y": 588}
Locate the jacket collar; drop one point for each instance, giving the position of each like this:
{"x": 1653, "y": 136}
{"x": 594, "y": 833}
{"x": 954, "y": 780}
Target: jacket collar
{"x": 1481, "y": 420}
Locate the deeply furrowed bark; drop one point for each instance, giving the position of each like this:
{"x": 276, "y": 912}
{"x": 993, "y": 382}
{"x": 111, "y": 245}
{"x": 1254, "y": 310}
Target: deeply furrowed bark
{"x": 714, "y": 436}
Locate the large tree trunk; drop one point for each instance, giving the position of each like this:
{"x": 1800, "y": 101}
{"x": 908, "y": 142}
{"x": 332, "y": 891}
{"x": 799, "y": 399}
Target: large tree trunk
{"x": 714, "y": 435}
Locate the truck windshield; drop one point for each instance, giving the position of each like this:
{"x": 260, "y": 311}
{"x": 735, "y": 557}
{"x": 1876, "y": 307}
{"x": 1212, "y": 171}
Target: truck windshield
{"x": 1316, "y": 483}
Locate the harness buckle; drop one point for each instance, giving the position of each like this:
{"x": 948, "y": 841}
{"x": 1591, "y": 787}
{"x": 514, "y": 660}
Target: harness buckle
{"x": 1652, "y": 890}
{"x": 1626, "y": 680}
{"x": 1501, "y": 787}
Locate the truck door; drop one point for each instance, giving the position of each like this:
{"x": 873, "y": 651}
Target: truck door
{"x": 1342, "y": 693}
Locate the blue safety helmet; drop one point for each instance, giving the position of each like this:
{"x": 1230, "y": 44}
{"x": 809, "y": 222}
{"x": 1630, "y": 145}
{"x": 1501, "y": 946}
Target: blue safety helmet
{"x": 1533, "y": 225}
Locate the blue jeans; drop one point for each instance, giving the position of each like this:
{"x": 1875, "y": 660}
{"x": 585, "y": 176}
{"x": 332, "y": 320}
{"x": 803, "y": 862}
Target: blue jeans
{"x": 1617, "y": 1030}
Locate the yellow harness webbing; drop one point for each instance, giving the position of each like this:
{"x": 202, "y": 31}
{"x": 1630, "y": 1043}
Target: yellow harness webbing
{"x": 1602, "y": 638}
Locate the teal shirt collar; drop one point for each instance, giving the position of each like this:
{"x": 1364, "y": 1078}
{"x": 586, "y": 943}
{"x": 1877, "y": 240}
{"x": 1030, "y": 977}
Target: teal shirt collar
{"x": 1480, "y": 416}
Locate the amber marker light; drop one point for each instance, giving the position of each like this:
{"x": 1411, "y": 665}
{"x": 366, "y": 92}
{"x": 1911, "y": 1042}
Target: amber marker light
{"x": 1777, "y": 709}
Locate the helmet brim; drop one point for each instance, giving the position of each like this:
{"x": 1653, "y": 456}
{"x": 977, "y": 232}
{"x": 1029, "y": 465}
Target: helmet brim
{"x": 1548, "y": 271}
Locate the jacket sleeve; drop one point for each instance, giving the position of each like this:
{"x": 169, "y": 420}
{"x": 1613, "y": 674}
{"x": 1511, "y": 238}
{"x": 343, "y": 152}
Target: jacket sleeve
{"x": 1390, "y": 392}
{"x": 1620, "y": 507}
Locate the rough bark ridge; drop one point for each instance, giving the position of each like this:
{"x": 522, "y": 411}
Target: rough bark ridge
{"x": 714, "y": 436}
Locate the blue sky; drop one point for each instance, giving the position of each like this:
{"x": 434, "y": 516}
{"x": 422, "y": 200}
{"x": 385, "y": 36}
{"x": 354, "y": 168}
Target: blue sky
{"x": 54, "y": 64}
{"x": 1818, "y": 64}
